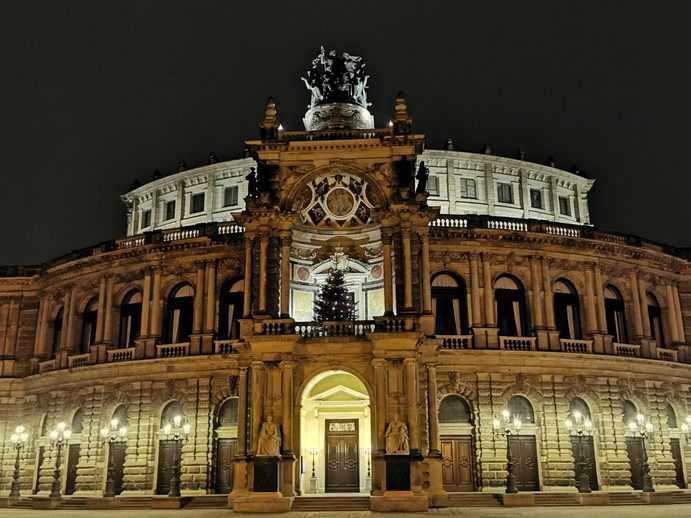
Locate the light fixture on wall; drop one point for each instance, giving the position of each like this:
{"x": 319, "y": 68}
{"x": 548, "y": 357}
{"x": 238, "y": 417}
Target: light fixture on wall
{"x": 580, "y": 428}
{"x": 58, "y": 438}
{"x": 18, "y": 440}
{"x": 176, "y": 430}
{"x": 508, "y": 426}
{"x": 112, "y": 434}
{"x": 686, "y": 428}
{"x": 314, "y": 452}
{"x": 643, "y": 428}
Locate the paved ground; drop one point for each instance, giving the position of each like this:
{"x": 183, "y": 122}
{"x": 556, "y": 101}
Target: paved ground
{"x": 632, "y": 511}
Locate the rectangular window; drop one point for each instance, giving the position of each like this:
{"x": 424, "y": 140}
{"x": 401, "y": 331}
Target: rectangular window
{"x": 433, "y": 185}
{"x": 146, "y": 219}
{"x": 230, "y": 196}
{"x": 564, "y": 206}
{"x": 197, "y": 204}
{"x": 468, "y": 188}
{"x": 170, "y": 210}
{"x": 505, "y": 192}
{"x": 536, "y": 199}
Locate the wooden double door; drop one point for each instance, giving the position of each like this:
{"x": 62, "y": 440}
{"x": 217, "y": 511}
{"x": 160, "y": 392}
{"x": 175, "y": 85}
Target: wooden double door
{"x": 458, "y": 463}
{"x": 524, "y": 456}
{"x": 342, "y": 458}
{"x": 223, "y": 473}
{"x": 168, "y": 453}
{"x": 634, "y": 448}
{"x": 117, "y": 452}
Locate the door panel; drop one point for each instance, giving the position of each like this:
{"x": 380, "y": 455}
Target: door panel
{"x": 589, "y": 453}
{"x": 71, "y": 472}
{"x": 458, "y": 463}
{"x": 524, "y": 454}
{"x": 167, "y": 453}
{"x": 225, "y": 451}
{"x": 675, "y": 446}
{"x": 342, "y": 464}
{"x": 117, "y": 454}
{"x": 634, "y": 447}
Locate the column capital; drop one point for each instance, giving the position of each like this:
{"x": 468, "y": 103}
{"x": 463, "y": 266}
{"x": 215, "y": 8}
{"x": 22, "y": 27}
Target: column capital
{"x": 287, "y": 365}
{"x": 199, "y": 264}
{"x": 409, "y": 361}
{"x": 431, "y": 364}
{"x": 242, "y": 371}
{"x": 379, "y": 363}
{"x": 257, "y": 364}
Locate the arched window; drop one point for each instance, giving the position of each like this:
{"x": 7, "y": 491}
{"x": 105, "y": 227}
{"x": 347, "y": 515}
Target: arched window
{"x": 630, "y": 412}
{"x": 228, "y": 413}
{"x": 230, "y": 309}
{"x": 57, "y": 331}
{"x": 519, "y": 406}
{"x": 77, "y": 421}
{"x": 170, "y": 411}
{"x": 509, "y": 301}
{"x": 121, "y": 415}
{"x": 449, "y": 304}
{"x": 671, "y": 417}
{"x": 454, "y": 409}
{"x": 580, "y": 406}
{"x": 614, "y": 313}
{"x": 89, "y": 318}
{"x": 655, "y": 318}
{"x": 179, "y": 314}
{"x": 130, "y": 318}
{"x": 566, "y": 310}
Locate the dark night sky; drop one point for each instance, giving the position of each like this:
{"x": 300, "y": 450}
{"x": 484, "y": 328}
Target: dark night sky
{"x": 96, "y": 94}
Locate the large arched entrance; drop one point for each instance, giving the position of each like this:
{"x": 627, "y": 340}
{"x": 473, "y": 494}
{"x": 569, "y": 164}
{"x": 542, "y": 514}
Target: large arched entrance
{"x": 335, "y": 435}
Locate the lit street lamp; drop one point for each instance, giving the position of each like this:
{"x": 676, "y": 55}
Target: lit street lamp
{"x": 511, "y": 425}
{"x": 643, "y": 428}
{"x": 58, "y": 438}
{"x": 686, "y": 427}
{"x": 112, "y": 434}
{"x": 313, "y": 480}
{"x": 579, "y": 428}
{"x": 18, "y": 440}
{"x": 176, "y": 431}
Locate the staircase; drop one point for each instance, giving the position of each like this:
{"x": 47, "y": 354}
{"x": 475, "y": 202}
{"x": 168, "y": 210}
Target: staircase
{"x": 616, "y": 498}
{"x": 557, "y": 499}
{"x": 207, "y": 502}
{"x": 331, "y": 503}
{"x": 475, "y": 499}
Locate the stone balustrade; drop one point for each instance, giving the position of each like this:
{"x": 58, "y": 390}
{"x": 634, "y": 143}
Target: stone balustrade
{"x": 120, "y": 355}
{"x": 570, "y": 345}
{"x": 631, "y": 350}
{"x": 455, "y": 342}
{"x": 319, "y": 329}
{"x": 517, "y": 343}
{"x": 173, "y": 350}
{"x": 225, "y": 346}
{"x": 78, "y": 360}
{"x": 669, "y": 355}
{"x": 47, "y": 366}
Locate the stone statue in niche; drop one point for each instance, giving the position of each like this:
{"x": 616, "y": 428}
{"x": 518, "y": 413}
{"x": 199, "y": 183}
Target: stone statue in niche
{"x": 422, "y": 175}
{"x": 269, "y": 442}
{"x": 397, "y": 438}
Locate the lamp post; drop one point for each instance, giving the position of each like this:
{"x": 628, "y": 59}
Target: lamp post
{"x": 18, "y": 440}
{"x": 178, "y": 431}
{"x": 581, "y": 427}
{"x": 313, "y": 481}
{"x": 642, "y": 428}
{"x": 508, "y": 426}
{"x": 112, "y": 434}
{"x": 58, "y": 438}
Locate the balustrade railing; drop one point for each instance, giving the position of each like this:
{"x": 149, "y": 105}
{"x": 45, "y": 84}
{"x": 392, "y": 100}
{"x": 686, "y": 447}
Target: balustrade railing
{"x": 449, "y": 221}
{"x": 225, "y": 346}
{"x": 346, "y": 328}
{"x": 78, "y": 360}
{"x": 627, "y": 349}
{"x": 517, "y": 343}
{"x": 172, "y": 350}
{"x": 120, "y": 355}
{"x": 669, "y": 355}
{"x": 224, "y": 229}
{"x": 47, "y": 366}
{"x": 180, "y": 233}
{"x": 570, "y": 345}
{"x": 455, "y": 342}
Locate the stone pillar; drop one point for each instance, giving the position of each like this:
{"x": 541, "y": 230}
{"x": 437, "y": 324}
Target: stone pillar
{"x": 285, "y": 274}
{"x": 476, "y": 304}
{"x": 388, "y": 271}
{"x": 426, "y": 274}
{"x": 680, "y": 318}
{"x": 432, "y": 411}
{"x": 263, "y": 257}
{"x": 672, "y": 315}
{"x": 589, "y": 309}
{"x": 38, "y": 339}
{"x": 538, "y": 293}
{"x": 552, "y": 333}
{"x": 489, "y": 292}
{"x": 247, "y": 293}
{"x": 146, "y": 305}
{"x": 67, "y": 341}
{"x": 198, "y": 298}
{"x": 378, "y": 463}
{"x": 411, "y": 398}
{"x": 600, "y": 301}
{"x": 407, "y": 271}
{"x": 101, "y": 309}
{"x": 156, "y": 305}
{"x": 257, "y": 409}
{"x": 108, "y": 317}
{"x": 645, "y": 320}
{"x": 210, "y": 315}
{"x": 288, "y": 459}
{"x": 240, "y": 465}
{"x": 635, "y": 298}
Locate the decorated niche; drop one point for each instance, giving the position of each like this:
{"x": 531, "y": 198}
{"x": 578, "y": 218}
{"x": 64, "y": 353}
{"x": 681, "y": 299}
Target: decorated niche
{"x": 337, "y": 199}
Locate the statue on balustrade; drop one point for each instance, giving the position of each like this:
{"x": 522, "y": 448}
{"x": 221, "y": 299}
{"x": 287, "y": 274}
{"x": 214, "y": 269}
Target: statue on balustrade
{"x": 397, "y": 442}
{"x": 269, "y": 442}
{"x": 422, "y": 176}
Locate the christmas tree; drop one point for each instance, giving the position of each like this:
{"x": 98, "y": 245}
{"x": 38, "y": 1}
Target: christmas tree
{"x": 333, "y": 301}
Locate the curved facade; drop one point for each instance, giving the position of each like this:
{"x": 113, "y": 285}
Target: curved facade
{"x": 466, "y": 307}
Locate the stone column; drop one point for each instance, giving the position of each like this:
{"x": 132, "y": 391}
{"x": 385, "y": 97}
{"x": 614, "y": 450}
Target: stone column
{"x": 411, "y": 397}
{"x": 285, "y": 274}
{"x": 645, "y": 320}
{"x": 548, "y": 295}
{"x": 680, "y": 318}
{"x": 240, "y": 464}
{"x": 407, "y": 271}
{"x": 590, "y": 303}
{"x": 388, "y": 271}
{"x": 257, "y": 409}
{"x": 38, "y": 338}
{"x": 489, "y": 292}
{"x": 156, "y": 305}
{"x": 67, "y": 338}
{"x": 538, "y": 293}
{"x": 475, "y": 291}
{"x": 635, "y": 298}
{"x": 432, "y": 411}
{"x": 426, "y": 274}
{"x": 146, "y": 305}
{"x": 101, "y": 309}
{"x": 247, "y": 293}
{"x": 108, "y": 317}
{"x": 600, "y": 301}
{"x": 210, "y": 315}
{"x": 288, "y": 458}
{"x": 263, "y": 257}
{"x": 379, "y": 365}
{"x": 198, "y": 298}
{"x": 672, "y": 314}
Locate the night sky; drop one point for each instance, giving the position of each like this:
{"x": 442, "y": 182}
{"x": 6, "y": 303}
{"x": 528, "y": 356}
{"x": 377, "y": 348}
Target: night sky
{"x": 96, "y": 94}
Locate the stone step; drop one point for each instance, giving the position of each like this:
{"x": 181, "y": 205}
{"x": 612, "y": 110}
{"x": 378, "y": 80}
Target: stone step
{"x": 625, "y": 498}
{"x": 331, "y": 503}
{"x": 476, "y": 499}
{"x": 207, "y": 502}
{"x": 134, "y": 502}
{"x": 557, "y": 499}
